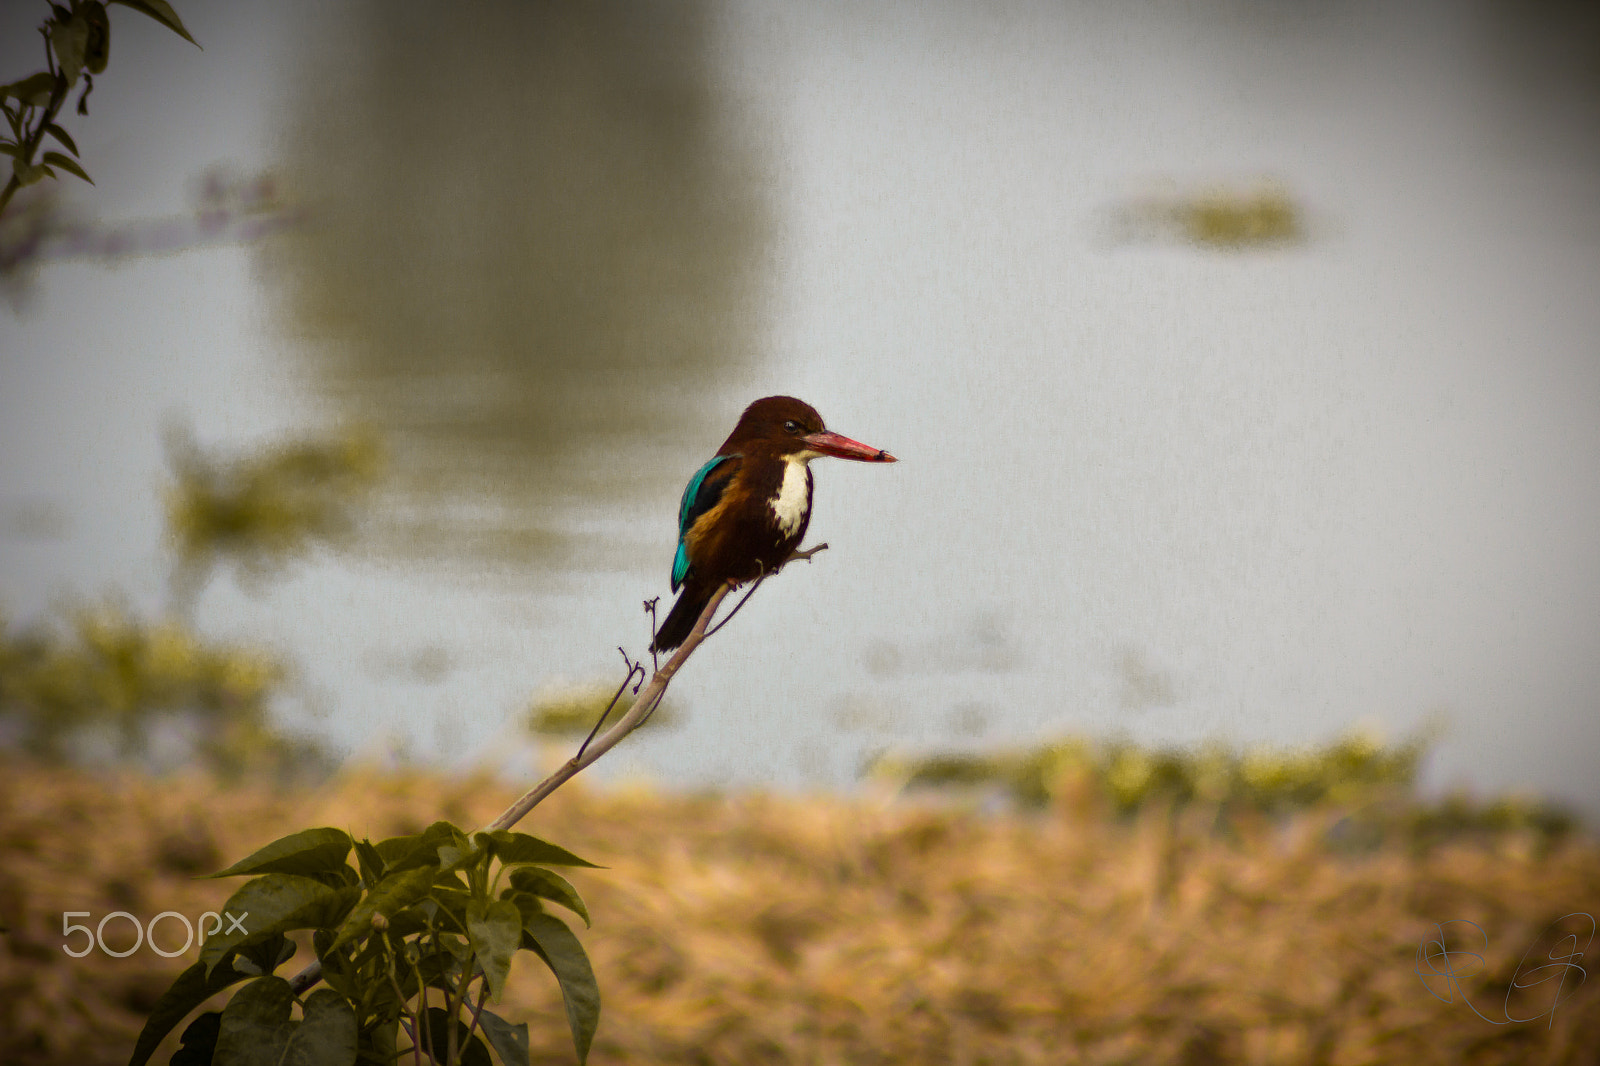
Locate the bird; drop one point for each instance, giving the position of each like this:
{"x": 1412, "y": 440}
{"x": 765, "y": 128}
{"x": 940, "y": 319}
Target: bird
{"x": 743, "y": 513}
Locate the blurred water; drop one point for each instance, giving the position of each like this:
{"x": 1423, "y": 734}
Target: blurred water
{"x": 1146, "y": 487}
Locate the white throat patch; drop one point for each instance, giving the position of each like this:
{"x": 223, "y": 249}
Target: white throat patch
{"x": 793, "y": 501}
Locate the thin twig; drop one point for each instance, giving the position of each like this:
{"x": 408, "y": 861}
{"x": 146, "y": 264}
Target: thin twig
{"x": 742, "y": 601}
{"x": 642, "y": 706}
{"x": 633, "y": 668}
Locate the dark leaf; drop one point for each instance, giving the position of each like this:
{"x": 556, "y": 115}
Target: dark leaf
{"x": 255, "y": 1024}
{"x": 550, "y": 938}
{"x": 513, "y": 848}
{"x": 98, "y": 49}
{"x": 509, "y": 1041}
{"x": 68, "y": 164}
{"x": 69, "y": 39}
{"x": 199, "y": 1041}
{"x": 277, "y": 903}
{"x": 495, "y": 930}
{"x": 270, "y": 953}
{"x": 308, "y": 852}
{"x": 473, "y": 1052}
{"x": 372, "y": 864}
{"x": 327, "y": 1033}
{"x": 33, "y": 90}
{"x": 162, "y": 12}
{"x": 67, "y": 142}
{"x": 192, "y": 988}
{"x": 550, "y": 886}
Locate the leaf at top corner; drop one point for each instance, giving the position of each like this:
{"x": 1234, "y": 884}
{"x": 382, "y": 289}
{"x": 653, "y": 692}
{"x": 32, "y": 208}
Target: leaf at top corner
{"x": 513, "y": 848}
{"x": 308, "y": 852}
{"x": 68, "y": 164}
{"x": 162, "y": 12}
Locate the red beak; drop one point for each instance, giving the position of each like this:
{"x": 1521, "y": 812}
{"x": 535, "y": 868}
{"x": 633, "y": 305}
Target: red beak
{"x": 829, "y": 443}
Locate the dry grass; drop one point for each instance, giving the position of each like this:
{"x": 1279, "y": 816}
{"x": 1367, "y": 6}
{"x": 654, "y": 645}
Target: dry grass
{"x": 754, "y": 929}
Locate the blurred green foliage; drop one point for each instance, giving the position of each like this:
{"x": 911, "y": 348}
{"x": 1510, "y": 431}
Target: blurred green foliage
{"x": 1218, "y": 218}
{"x": 1374, "y": 782}
{"x": 573, "y": 712}
{"x": 262, "y": 510}
{"x": 111, "y": 675}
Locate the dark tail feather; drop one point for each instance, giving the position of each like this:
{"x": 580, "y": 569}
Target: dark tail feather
{"x": 681, "y": 619}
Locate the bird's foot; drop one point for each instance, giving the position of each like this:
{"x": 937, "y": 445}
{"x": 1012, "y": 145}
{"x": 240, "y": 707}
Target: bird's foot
{"x": 807, "y": 553}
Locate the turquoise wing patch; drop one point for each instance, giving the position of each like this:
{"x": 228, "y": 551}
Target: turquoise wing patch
{"x": 698, "y": 498}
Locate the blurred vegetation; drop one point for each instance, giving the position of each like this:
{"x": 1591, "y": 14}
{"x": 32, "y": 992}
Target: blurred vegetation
{"x": 107, "y": 683}
{"x": 262, "y": 510}
{"x": 113, "y": 678}
{"x": 1357, "y": 773}
{"x": 777, "y": 930}
{"x": 41, "y": 226}
{"x": 1218, "y": 218}
{"x": 573, "y": 712}
{"x": 537, "y": 310}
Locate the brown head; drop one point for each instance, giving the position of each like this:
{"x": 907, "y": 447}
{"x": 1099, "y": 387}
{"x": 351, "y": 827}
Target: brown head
{"x": 785, "y": 427}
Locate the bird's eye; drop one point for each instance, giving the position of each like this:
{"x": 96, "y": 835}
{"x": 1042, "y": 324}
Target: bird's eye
{"x": 792, "y": 427}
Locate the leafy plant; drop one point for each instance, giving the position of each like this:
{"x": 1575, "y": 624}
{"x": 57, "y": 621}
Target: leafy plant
{"x": 77, "y": 45}
{"x": 413, "y": 937}
{"x": 115, "y": 675}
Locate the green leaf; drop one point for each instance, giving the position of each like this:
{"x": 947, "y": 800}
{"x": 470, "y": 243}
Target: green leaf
{"x": 256, "y": 1026}
{"x": 372, "y": 864}
{"x": 277, "y": 903}
{"x": 509, "y": 1041}
{"x": 68, "y": 164}
{"x": 515, "y": 848}
{"x": 551, "y": 886}
{"x": 68, "y": 39}
{"x": 553, "y": 942}
{"x": 63, "y": 136}
{"x": 395, "y": 892}
{"x": 193, "y": 987}
{"x": 9, "y": 148}
{"x": 162, "y": 12}
{"x": 473, "y": 1052}
{"x": 495, "y": 930}
{"x": 34, "y": 90}
{"x": 401, "y": 853}
{"x": 310, "y": 851}
{"x": 199, "y": 1041}
{"x": 326, "y": 1035}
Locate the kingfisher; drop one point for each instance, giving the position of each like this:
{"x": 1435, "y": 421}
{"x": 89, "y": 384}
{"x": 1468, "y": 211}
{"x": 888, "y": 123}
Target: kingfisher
{"x": 744, "y": 512}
